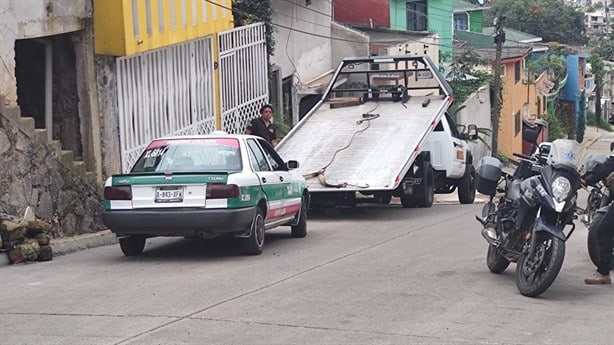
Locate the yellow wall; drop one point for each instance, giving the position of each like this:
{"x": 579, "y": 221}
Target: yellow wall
{"x": 127, "y": 27}
{"x": 514, "y": 96}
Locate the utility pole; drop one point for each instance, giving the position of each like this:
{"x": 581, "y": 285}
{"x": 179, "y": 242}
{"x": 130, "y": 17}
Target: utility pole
{"x": 499, "y": 40}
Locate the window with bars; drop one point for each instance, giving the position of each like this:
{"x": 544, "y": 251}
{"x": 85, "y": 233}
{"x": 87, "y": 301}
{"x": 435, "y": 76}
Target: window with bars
{"x": 416, "y": 16}
{"x": 461, "y": 22}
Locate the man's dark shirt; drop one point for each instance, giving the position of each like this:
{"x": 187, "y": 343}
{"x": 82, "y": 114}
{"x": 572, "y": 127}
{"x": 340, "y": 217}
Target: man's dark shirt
{"x": 259, "y": 128}
{"x": 601, "y": 171}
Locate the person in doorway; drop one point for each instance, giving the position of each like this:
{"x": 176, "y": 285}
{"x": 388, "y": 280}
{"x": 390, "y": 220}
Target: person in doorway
{"x": 606, "y": 228}
{"x": 263, "y": 126}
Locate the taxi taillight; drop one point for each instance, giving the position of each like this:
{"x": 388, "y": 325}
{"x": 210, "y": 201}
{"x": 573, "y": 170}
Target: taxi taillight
{"x": 118, "y": 193}
{"x": 222, "y": 191}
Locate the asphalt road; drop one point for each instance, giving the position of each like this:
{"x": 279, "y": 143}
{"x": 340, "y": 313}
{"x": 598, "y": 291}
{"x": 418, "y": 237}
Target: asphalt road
{"x": 374, "y": 276}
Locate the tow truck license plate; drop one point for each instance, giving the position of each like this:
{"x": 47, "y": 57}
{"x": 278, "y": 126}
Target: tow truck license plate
{"x": 169, "y": 194}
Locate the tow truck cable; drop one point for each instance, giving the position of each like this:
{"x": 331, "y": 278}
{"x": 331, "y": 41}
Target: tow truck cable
{"x": 320, "y": 173}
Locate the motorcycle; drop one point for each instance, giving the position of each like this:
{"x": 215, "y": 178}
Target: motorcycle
{"x": 596, "y": 207}
{"x": 527, "y": 225}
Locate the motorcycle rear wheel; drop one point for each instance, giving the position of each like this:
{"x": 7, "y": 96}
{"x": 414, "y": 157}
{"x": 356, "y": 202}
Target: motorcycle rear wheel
{"x": 535, "y": 274}
{"x": 496, "y": 262}
{"x": 593, "y": 245}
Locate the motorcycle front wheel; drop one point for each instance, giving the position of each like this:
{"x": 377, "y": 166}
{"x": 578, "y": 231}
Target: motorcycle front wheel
{"x": 593, "y": 245}
{"x": 535, "y": 273}
{"x": 496, "y": 262}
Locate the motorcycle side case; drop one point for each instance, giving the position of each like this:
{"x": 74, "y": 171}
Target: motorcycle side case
{"x": 488, "y": 175}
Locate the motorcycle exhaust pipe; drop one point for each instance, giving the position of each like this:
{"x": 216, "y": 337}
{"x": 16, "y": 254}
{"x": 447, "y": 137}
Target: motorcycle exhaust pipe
{"x": 490, "y": 236}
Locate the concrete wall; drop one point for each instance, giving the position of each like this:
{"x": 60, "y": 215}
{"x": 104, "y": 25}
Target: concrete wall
{"x": 30, "y": 19}
{"x": 348, "y": 42}
{"x": 303, "y": 47}
{"x": 302, "y": 38}
{"x": 514, "y": 97}
{"x": 477, "y": 112}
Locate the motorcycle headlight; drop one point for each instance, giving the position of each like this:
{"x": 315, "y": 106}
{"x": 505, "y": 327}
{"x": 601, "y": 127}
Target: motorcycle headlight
{"x": 560, "y": 188}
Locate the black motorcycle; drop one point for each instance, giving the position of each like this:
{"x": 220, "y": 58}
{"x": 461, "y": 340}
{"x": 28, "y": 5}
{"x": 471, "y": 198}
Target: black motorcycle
{"x": 527, "y": 224}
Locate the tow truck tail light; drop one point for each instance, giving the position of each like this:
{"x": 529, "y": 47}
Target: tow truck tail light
{"x": 118, "y": 193}
{"x": 222, "y": 191}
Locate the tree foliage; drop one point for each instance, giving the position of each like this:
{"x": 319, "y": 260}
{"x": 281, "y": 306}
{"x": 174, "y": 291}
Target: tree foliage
{"x": 552, "y": 20}
{"x": 599, "y": 73}
{"x": 463, "y": 76}
{"x": 254, "y": 11}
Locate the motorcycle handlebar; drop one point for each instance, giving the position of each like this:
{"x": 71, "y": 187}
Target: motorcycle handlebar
{"x": 520, "y": 155}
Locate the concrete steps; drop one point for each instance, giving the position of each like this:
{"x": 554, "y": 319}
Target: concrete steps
{"x": 27, "y": 125}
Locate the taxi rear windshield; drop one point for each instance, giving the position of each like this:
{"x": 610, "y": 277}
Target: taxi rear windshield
{"x": 190, "y": 155}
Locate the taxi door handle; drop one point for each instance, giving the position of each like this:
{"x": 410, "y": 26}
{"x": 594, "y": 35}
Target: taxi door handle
{"x": 281, "y": 178}
{"x": 264, "y": 180}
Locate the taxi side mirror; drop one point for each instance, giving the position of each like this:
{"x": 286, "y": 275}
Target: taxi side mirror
{"x": 291, "y": 165}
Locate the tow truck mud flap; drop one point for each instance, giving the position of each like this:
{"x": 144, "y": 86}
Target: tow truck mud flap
{"x": 410, "y": 184}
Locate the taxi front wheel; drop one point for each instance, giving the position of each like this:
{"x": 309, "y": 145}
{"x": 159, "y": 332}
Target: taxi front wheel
{"x": 300, "y": 229}
{"x": 253, "y": 244}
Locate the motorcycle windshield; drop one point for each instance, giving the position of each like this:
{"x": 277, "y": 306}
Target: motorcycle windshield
{"x": 567, "y": 152}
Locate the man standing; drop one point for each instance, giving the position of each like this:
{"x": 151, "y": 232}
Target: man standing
{"x": 606, "y": 228}
{"x": 263, "y": 126}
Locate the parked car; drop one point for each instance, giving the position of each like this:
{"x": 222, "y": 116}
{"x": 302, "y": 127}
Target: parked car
{"x": 206, "y": 186}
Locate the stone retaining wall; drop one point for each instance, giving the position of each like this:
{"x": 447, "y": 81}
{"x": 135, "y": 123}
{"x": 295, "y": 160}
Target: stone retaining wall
{"x": 36, "y": 173}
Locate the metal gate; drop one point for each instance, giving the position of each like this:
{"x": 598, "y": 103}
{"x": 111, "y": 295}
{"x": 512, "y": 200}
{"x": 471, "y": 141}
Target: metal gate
{"x": 243, "y": 75}
{"x": 168, "y": 91}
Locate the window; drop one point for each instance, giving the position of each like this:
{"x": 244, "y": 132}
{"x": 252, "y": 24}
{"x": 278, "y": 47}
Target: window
{"x": 539, "y": 106}
{"x": 544, "y": 104}
{"x": 461, "y": 22}
{"x": 503, "y": 71}
{"x": 276, "y": 162}
{"x": 256, "y": 157}
{"x": 516, "y": 123}
{"x": 416, "y": 16}
{"x": 516, "y": 71}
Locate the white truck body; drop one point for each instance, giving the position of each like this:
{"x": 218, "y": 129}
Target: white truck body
{"x": 373, "y": 121}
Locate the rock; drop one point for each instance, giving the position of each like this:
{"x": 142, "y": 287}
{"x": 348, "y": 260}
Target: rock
{"x": 28, "y": 215}
{"x": 42, "y": 239}
{"x": 38, "y": 226}
{"x": 45, "y": 254}
{"x": 12, "y": 231}
{"x": 27, "y": 251}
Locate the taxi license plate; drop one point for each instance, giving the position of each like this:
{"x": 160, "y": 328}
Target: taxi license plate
{"x": 169, "y": 194}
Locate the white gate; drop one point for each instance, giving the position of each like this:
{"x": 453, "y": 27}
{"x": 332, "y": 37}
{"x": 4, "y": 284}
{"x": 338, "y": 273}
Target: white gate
{"x": 168, "y": 91}
{"x": 243, "y": 75}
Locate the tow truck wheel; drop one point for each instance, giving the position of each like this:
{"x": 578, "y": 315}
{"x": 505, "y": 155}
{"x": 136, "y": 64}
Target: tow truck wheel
{"x": 424, "y": 193}
{"x": 427, "y": 192}
{"x": 466, "y": 186}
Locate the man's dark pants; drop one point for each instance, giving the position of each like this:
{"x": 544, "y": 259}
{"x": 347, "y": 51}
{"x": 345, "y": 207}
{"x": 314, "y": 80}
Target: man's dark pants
{"x": 605, "y": 232}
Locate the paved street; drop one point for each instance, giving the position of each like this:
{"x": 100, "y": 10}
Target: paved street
{"x": 383, "y": 276}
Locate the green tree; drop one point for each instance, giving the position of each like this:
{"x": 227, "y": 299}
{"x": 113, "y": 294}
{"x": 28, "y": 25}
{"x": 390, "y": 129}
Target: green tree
{"x": 254, "y": 11}
{"x": 598, "y": 70}
{"x": 581, "y": 125}
{"x": 463, "y": 76}
{"x": 553, "y": 20}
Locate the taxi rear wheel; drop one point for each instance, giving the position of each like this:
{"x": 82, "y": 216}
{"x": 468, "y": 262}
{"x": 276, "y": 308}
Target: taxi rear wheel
{"x": 132, "y": 245}
{"x": 300, "y": 229}
{"x": 253, "y": 244}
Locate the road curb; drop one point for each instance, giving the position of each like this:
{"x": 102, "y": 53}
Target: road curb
{"x": 63, "y": 246}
